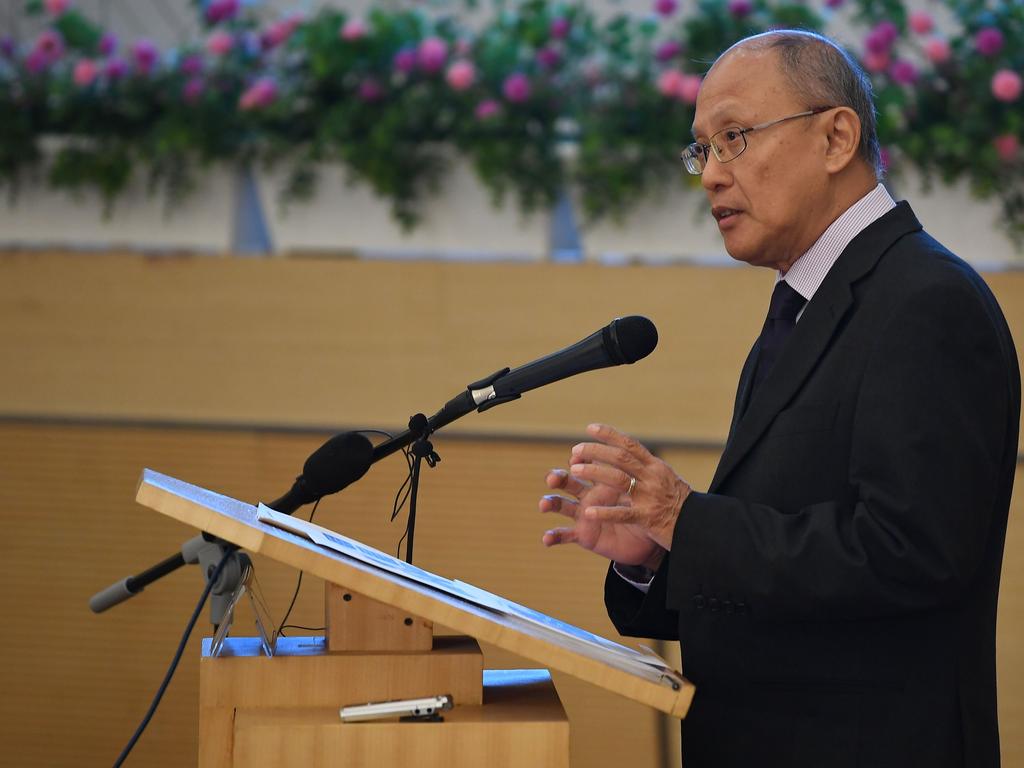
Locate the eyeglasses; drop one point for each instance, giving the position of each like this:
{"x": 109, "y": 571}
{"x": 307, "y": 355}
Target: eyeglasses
{"x": 729, "y": 143}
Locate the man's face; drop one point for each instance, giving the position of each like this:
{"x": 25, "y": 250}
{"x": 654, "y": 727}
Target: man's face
{"x": 770, "y": 201}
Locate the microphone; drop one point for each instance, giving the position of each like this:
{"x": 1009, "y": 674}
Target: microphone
{"x": 334, "y": 465}
{"x": 623, "y": 341}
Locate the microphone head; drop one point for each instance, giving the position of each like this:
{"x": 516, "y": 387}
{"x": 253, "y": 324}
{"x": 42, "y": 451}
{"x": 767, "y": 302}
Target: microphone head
{"x": 337, "y": 463}
{"x": 629, "y": 339}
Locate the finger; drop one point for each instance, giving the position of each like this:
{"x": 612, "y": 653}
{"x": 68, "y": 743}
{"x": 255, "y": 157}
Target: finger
{"x": 557, "y": 536}
{"x": 559, "y": 504}
{"x": 606, "y": 454}
{"x": 613, "y": 514}
{"x": 611, "y": 436}
{"x": 559, "y": 479}
{"x": 603, "y": 474}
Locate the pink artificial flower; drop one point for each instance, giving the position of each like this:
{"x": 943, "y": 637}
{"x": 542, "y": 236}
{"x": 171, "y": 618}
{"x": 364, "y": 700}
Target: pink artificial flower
{"x": 670, "y": 82}
{"x": 260, "y": 94}
{"x": 220, "y": 43}
{"x": 108, "y": 44}
{"x": 921, "y": 22}
{"x": 559, "y": 28}
{"x": 36, "y": 61}
{"x": 221, "y": 10}
{"x": 145, "y": 55}
{"x": 85, "y": 72}
{"x": 370, "y": 90}
{"x": 405, "y": 60}
{"x": 461, "y": 75}
{"x": 278, "y": 32}
{"x": 665, "y": 8}
{"x": 191, "y": 65}
{"x": 740, "y": 8}
{"x": 1007, "y": 85}
{"x": 689, "y": 88}
{"x": 988, "y": 41}
{"x": 115, "y": 68}
{"x": 516, "y": 88}
{"x": 881, "y": 37}
{"x": 432, "y": 54}
{"x": 875, "y": 43}
{"x": 888, "y": 30}
{"x": 1007, "y": 147}
{"x": 354, "y": 29}
{"x": 903, "y": 72}
{"x": 668, "y": 50}
{"x": 56, "y": 7}
{"x": 876, "y": 62}
{"x": 49, "y": 46}
{"x": 937, "y": 50}
{"x": 193, "y": 90}
{"x": 548, "y": 58}
{"x": 486, "y": 109}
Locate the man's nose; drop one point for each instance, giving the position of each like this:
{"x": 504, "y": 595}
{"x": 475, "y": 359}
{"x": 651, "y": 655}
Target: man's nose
{"x": 716, "y": 174}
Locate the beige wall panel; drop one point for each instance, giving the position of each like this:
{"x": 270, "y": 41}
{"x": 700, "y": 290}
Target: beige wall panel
{"x": 312, "y": 342}
{"x": 318, "y": 342}
{"x": 1010, "y": 633}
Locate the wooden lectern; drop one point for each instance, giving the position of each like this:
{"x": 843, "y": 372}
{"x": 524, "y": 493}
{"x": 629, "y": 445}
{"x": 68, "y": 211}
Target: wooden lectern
{"x": 379, "y": 646}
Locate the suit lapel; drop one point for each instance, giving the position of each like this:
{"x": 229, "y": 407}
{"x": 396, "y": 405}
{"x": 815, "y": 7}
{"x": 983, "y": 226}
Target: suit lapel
{"x": 810, "y": 339}
{"x": 743, "y": 388}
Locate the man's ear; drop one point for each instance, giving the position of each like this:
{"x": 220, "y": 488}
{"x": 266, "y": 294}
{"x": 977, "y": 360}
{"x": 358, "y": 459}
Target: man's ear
{"x": 842, "y": 128}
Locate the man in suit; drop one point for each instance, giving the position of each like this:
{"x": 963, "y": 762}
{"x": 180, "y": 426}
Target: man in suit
{"x": 834, "y": 591}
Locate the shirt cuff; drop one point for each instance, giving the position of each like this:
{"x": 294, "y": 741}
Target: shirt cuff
{"x": 637, "y": 575}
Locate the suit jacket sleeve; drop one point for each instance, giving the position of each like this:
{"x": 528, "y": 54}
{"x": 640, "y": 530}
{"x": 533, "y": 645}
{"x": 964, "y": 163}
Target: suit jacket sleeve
{"x": 933, "y": 418}
{"x": 638, "y": 614}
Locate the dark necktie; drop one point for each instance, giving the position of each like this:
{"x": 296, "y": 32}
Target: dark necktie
{"x": 785, "y": 305}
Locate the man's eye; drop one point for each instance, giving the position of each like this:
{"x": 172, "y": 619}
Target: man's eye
{"x": 732, "y": 135}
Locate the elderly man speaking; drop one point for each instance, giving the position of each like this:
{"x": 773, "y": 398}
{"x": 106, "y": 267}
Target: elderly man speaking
{"x": 835, "y": 589}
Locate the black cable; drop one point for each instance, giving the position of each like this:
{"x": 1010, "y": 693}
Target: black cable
{"x": 299, "y": 626}
{"x": 404, "y": 490}
{"x": 396, "y": 508}
{"x": 298, "y": 585}
{"x": 174, "y": 662}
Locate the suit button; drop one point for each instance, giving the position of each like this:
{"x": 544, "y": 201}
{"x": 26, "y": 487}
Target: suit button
{"x": 713, "y": 604}
{"x": 699, "y": 602}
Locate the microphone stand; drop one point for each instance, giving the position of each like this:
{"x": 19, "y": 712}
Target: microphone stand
{"x": 422, "y": 449}
{"x": 204, "y": 550}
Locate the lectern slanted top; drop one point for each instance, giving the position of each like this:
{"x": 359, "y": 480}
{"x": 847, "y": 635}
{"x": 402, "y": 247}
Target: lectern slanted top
{"x": 631, "y": 673}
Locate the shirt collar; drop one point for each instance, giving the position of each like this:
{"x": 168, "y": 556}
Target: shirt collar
{"x": 808, "y": 272}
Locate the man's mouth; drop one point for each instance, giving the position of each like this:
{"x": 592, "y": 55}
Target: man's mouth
{"x": 721, "y": 212}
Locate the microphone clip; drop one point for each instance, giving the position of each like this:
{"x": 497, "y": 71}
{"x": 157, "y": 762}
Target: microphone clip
{"x": 488, "y": 404}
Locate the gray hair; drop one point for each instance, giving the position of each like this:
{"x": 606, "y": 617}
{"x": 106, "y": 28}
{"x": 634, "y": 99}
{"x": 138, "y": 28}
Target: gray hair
{"x": 827, "y": 76}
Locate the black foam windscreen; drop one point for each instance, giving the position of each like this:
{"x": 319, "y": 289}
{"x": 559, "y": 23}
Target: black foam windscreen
{"x": 337, "y": 463}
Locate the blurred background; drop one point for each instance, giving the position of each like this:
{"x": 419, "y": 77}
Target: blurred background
{"x": 231, "y": 229}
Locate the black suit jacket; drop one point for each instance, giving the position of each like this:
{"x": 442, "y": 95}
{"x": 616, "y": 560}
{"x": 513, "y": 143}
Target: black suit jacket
{"x": 835, "y": 590}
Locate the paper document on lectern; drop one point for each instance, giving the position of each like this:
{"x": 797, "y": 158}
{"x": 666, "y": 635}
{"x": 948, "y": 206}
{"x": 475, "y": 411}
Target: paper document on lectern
{"x": 638, "y": 674}
{"x": 647, "y": 663}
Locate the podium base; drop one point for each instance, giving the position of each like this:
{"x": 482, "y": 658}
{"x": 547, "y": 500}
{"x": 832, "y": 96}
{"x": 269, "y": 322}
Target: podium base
{"x": 283, "y": 711}
{"x": 521, "y": 724}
